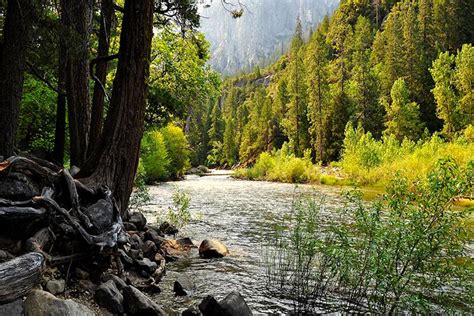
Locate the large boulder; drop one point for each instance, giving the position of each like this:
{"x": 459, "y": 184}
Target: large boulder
{"x": 137, "y": 303}
{"x": 212, "y": 248}
{"x": 119, "y": 283}
{"x": 210, "y": 307}
{"x": 232, "y": 305}
{"x": 235, "y": 305}
{"x": 107, "y": 295}
{"x": 39, "y": 303}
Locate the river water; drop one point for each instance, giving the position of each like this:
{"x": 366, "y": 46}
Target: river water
{"x": 242, "y": 215}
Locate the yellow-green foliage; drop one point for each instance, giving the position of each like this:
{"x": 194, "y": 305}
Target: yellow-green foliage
{"x": 154, "y": 162}
{"x": 370, "y": 161}
{"x": 281, "y": 166}
{"x": 164, "y": 154}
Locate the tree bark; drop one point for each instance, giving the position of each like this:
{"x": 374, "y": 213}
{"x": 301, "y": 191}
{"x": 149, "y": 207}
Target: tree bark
{"x": 115, "y": 160}
{"x": 16, "y": 36}
{"x": 60, "y": 131}
{"x": 76, "y": 16}
{"x": 106, "y": 16}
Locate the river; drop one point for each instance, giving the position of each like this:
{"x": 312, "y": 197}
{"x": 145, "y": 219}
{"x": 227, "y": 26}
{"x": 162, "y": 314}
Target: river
{"x": 242, "y": 215}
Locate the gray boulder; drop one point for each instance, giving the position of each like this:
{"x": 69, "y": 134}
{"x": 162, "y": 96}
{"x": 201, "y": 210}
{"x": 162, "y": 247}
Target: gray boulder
{"x": 235, "y": 305}
{"x": 40, "y": 303}
{"x": 14, "y": 308}
{"x": 119, "y": 283}
{"x": 137, "y": 303}
{"x": 232, "y": 305}
{"x": 183, "y": 286}
{"x": 146, "y": 265}
{"x": 108, "y": 296}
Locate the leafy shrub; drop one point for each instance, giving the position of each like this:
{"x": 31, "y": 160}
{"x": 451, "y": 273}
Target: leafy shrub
{"x": 177, "y": 149}
{"x": 281, "y": 166}
{"x": 178, "y": 214}
{"x": 404, "y": 252}
{"x": 370, "y": 161}
{"x": 154, "y": 157}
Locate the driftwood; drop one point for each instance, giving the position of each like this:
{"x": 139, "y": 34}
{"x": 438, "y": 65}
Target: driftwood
{"x": 18, "y": 276}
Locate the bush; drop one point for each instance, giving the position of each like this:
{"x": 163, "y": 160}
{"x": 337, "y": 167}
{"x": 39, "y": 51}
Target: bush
{"x": 370, "y": 161}
{"x": 177, "y": 149}
{"x": 405, "y": 252}
{"x": 154, "y": 157}
{"x": 281, "y": 166}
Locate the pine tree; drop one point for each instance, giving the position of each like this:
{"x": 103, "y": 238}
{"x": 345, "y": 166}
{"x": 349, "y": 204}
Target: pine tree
{"x": 403, "y": 116}
{"x": 453, "y": 91}
{"x": 295, "y": 122}
{"x": 363, "y": 86}
{"x": 317, "y": 61}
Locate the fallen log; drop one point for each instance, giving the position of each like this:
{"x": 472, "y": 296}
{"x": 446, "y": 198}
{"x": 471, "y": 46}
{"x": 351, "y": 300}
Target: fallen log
{"x": 18, "y": 276}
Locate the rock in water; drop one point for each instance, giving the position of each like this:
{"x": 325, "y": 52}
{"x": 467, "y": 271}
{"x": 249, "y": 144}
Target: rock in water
{"x": 183, "y": 286}
{"x": 210, "y": 307}
{"x": 235, "y": 305}
{"x": 191, "y": 311}
{"x": 212, "y": 248}
{"x": 232, "y": 305}
{"x": 108, "y": 296}
{"x": 137, "y": 303}
{"x": 40, "y": 303}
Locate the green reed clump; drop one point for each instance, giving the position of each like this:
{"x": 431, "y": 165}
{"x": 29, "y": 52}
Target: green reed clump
{"x": 404, "y": 252}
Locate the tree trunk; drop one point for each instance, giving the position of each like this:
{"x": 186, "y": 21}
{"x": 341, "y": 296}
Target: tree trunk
{"x": 76, "y": 16}
{"x": 106, "y": 16}
{"x": 16, "y": 36}
{"x": 115, "y": 160}
{"x": 60, "y": 131}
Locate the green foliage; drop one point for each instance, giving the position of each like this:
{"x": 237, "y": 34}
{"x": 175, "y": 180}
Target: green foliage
{"x": 406, "y": 252}
{"x": 370, "y": 161}
{"x": 37, "y": 116}
{"x": 403, "y": 116}
{"x": 164, "y": 154}
{"x": 453, "y": 91}
{"x": 154, "y": 157}
{"x": 282, "y": 166}
{"x": 179, "y": 214}
{"x": 177, "y": 149}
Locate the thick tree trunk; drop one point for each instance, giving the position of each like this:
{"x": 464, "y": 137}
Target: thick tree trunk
{"x": 107, "y": 13}
{"x": 60, "y": 131}
{"x": 115, "y": 160}
{"x": 16, "y": 35}
{"x": 76, "y": 16}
